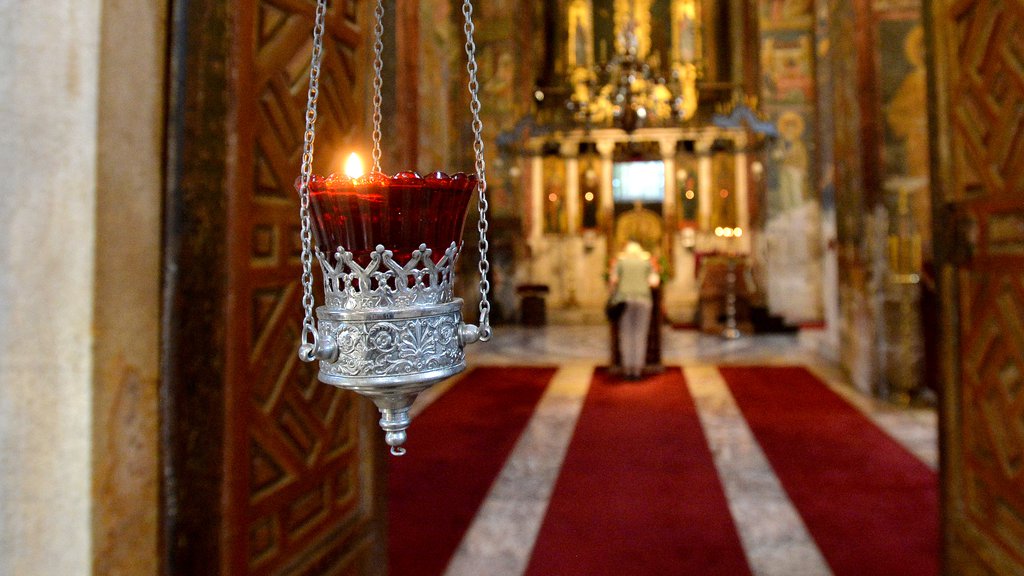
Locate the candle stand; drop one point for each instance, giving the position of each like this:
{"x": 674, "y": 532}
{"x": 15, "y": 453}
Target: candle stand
{"x": 730, "y": 332}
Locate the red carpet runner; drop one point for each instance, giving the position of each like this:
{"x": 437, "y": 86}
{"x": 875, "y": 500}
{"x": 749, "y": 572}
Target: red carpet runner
{"x": 456, "y": 447}
{"x": 870, "y": 505}
{"x": 638, "y": 493}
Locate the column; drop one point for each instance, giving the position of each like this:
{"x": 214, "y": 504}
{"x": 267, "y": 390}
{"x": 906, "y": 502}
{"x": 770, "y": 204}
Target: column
{"x": 667, "y": 147}
{"x": 570, "y": 255}
{"x": 704, "y": 184}
{"x": 742, "y": 193}
{"x": 605, "y": 148}
{"x": 570, "y": 152}
{"x": 536, "y": 195}
{"x": 669, "y": 216}
{"x": 48, "y": 213}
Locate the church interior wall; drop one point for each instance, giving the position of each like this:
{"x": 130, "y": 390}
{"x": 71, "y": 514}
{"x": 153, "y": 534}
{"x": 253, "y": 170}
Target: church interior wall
{"x": 839, "y": 216}
{"x": 792, "y": 242}
{"x": 902, "y": 155}
{"x": 790, "y": 239}
{"x": 129, "y": 214}
{"x": 47, "y": 219}
{"x": 877, "y": 130}
{"x": 507, "y": 69}
{"x": 79, "y": 296}
{"x": 824, "y": 184}
{"x": 820, "y": 194}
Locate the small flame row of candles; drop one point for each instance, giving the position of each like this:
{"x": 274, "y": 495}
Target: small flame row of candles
{"x": 726, "y": 232}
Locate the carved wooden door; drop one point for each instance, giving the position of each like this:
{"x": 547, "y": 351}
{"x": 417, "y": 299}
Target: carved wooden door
{"x": 266, "y": 471}
{"x": 978, "y": 77}
{"x": 301, "y": 477}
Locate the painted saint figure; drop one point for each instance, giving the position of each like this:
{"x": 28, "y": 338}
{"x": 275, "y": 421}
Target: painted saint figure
{"x": 685, "y": 29}
{"x": 907, "y": 111}
{"x": 580, "y": 52}
{"x": 792, "y": 155}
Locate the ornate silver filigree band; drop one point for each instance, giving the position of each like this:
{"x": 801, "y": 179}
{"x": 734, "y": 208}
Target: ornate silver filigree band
{"x": 385, "y": 283}
{"x": 391, "y": 329}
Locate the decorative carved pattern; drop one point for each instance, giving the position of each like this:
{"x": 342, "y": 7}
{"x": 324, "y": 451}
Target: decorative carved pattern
{"x": 303, "y": 501}
{"x": 980, "y": 76}
{"x": 1006, "y": 233}
{"x": 989, "y": 103}
{"x": 992, "y": 397}
{"x": 993, "y": 370}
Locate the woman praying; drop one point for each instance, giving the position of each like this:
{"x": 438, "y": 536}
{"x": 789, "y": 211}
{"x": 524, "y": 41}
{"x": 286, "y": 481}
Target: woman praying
{"x": 633, "y": 274}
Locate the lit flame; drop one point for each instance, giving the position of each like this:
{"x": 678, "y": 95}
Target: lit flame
{"x": 726, "y": 232}
{"x": 354, "y": 166}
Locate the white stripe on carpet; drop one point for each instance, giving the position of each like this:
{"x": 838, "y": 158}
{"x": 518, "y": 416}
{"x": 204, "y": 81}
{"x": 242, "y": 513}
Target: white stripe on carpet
{"x": 774, "y": 537}
{"x": 501, "y": 537}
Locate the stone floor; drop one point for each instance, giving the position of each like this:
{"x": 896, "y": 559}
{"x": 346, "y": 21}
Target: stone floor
{"x": 774, "y": 538}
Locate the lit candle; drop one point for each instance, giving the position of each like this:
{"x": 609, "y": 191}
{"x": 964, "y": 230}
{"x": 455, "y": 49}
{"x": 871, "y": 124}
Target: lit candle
{"x": 354, "y": 166}
{"x": 358, "y": 211}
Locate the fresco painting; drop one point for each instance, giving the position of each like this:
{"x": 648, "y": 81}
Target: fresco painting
{"x": 787, "y": 65}
{"x": 903, "y": 91}
{"x": 790, "y": 248}
{"x": 902, "y": 79}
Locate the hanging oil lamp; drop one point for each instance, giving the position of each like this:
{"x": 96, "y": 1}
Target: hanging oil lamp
{"x": 390, "y": 326}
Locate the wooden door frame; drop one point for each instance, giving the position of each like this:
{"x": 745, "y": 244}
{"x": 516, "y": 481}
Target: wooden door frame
{"x": 942, "y": 241}
{"x": 195, "y": 293}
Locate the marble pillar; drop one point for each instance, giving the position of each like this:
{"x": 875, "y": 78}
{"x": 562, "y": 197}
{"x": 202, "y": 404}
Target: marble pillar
{"x": 48, "y": 110}
{"x": 667, "y": 147}
{"x": 704, "y": 184}
{"x": 126, "y": 355}
{"x": 570, "y": 153}
{"x": 742, "y": 195}
{"x": 570, "y": 244}
{"x": 536, "y": 196}
{"x": 535, "y": 203}
{"x": 606, "y": 148}
{"x": 80, "y": 216}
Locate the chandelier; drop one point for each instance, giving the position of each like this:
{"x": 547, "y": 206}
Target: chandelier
{"x": 625, "y": 92}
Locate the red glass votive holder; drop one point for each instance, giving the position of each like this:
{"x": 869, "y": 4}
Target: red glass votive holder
{"x": 399, "y": 212}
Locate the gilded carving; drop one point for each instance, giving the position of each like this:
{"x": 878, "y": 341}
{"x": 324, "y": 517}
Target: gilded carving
{"x": 581, "y": 34}
{"x": 686, "y": 34}
{"x": 633, "y": 27}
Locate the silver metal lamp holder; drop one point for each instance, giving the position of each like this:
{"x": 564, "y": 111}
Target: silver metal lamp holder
{"x": 389, "y": 329}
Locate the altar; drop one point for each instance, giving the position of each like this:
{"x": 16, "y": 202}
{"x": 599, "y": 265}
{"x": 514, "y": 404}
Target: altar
{"x": 625, "y": 143}
{"x": 673, "y": 190}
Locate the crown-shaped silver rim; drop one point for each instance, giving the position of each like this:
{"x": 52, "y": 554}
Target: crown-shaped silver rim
{"x": 385, "y": 283}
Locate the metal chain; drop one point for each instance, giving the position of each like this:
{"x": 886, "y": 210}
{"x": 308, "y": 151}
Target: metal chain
{"x": 481, "y": 173}
{"x": 308, "y": 347}
{"x": 378, "y": 65}
{"x": 308, "y": 341}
